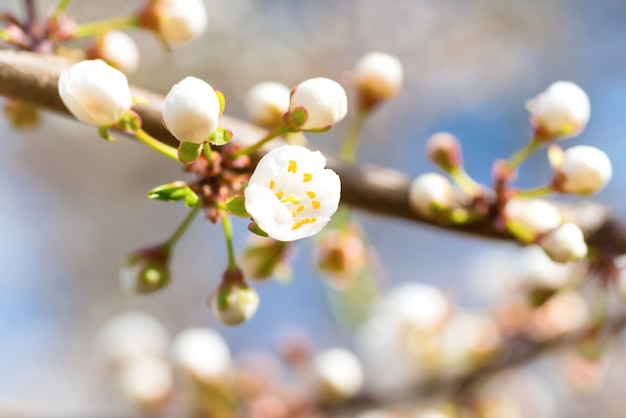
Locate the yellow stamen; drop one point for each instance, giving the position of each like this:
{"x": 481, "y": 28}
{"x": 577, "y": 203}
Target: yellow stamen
{"x": 300, "y": 209}
{"x": 280, "y": 194}
{"x": 292, "y": 198}
{"x": 296, "y": 225}
{"x": 311, "y": 195}
{"x": 306, "y": 177}
{"x": 293, "y": 166}
{"x": 272, "y": 184}
{"x": 313, "y": 220}
{"x": 293, "y": 213}
{"x": 316, "y": 204}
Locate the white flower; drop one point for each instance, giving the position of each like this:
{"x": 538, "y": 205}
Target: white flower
{"x": 339, "y": 372}
{"x": 584, "y": 170}
{"x": 191, "y": 110}
{"x": 95, "y": 93}
{"x": 117, "y": 49}
{"x": 324, "y": 100}
{"x": 565, "y": 244}
{"x": 147, "y": 381}
{"x": 290, "y": 194}
{"x": 430, "y": 194}
{"x": 378, "y": 75}
{"x": 202, "y": 354}
{"x": 468, "y": 336}
{"x": 176, "y": 21}
{"x": 528, "y": 219}
{"x": 267, "y": 102}
{"x": 560, "y": 111}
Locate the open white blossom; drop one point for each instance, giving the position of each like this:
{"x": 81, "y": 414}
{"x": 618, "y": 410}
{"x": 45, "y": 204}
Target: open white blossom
{"x": 565, "y": 244}
{"x": 202, "y": 354}
{"x": 95, "y": 92}
{"x": 528, "y": 219}
{"x": 267, "y": 102}
{"x": 191, "y": 110}
{"x": 378, "y": 75}
{"x": 584, "y": 170}
{"x": 324, "y": 100}
{"x": 562, "y": 110}
{"x": 290, "y": 194}
{"x": 430, "y": 194}
{"x": 339, "y": 373}
{"x": 177, "y": 21}
{"x": 117, "y": 49}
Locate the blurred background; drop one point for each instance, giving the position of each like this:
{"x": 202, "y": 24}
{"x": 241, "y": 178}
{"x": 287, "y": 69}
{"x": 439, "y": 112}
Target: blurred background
{"x": 73, "y": 206}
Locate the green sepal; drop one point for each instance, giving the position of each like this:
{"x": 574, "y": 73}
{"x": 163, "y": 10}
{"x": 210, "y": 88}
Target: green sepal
{"x": 320, "y": 130}
{"x": 237, "y": 206}
{"x": 172, "y": 192}
{"x": 103, "y": 131}
{"x": 130, "y": 122}
{"x": 222, "y": 100}
{"x": 298, "y": 116}
{"x": 221, "y": 136}
{"x": 256, "y": 229}
{"x": 188, "y": 152}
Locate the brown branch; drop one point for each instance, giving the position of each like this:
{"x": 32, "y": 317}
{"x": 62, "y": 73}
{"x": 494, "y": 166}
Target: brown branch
{"x": 33, "y": 78}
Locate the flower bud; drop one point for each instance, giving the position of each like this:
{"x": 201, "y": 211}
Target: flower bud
{"x": 191, "y": 110}
{"x": 95, "y": 93}
{"x": 266, "y": 103}
{"x": 324, "y": 101}
{"x": 234, "y": 302}
{"x": 377, "y": 76}
{"x": 266, "y": 257}
{"x": 468, "y": 338}
{"x": 565, "y": 244}
{"x": 444, "y": 150}
{"x": 528, "y": 219}
{"x": 561, "y": 314}
{"x": 146, "y": 271}
{"x": 430, "y": 194}
{"x": 340, "y": 375}
{"x": 117, "y": 49}
{"x": 342, "y": 255}
{"x": 147, "y": 381}
{"x": 202, "y": 355}
{"x": 584, "y": 170}
{"x": 175, "y": 21}
{"x": 560, "y": 111}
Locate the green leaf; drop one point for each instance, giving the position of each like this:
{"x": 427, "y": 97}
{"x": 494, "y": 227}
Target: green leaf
{"x": 188, "y": 152}
{"x": 237, "y": 206}
{"x": 222, "y": 100}
{"x": 255, "y": 229}
{"x": 221, "y": 136}
{"x": 172, "y": 192}
{"x": 299, "y": 116}
{"x": 103, "y": 131}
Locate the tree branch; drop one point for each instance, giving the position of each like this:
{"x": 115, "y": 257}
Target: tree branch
{"x": 33, "y": 78}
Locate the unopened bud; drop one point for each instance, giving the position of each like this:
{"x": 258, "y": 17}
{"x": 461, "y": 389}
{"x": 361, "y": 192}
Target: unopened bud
{"x": 324, "y": 101}
{"x": 202, "y": 354}
{"x": 342, "y": 255}
{"x": 266, "y": 257}
{"x": 430, "y": 194}
{"x": 563, "y": 313}
{"x": 529, "y": 219}
{"x": 234, "y": 302}
{"x": 266, "y": 103}
{"x": 444, "y": 150}
{"x": 340, "y": 375}
{"x": 559, "y": 112}
{"x": 117, "y": 49}
{"x": 565, "y": 244}
{"x": 21, "y": 115}
{"x": 147, "y": 270}
{"x": 147, "y": 381}
{"x": 377, "y": 77}
{"x": 174, "y": 21}
{"x": 583, "y": 170}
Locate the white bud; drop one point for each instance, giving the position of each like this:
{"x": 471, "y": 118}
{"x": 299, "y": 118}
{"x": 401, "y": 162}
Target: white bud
{"x": 130, "y": 335}
{"x": 528, "y": 219}
{"x": 537, "y": 269}
{"x": 563, "y": 313}
{"x": 324, "y": 100}
{"x": 468, "y": 337}
{"x": 560, "y": 111}
{"x": 267, "y": 102}
{"x": 176, "y": 21}
{"x": 378, "y": 75}
{"x": 430, "y": 194}
{"x": 584, "y": 170}
{"x": 340, "y": 373}
{"x": 147, "y": 381}
{"x": 201, "y": 353}
{"x": 191, "y": 110}
{"x": 565, "y": 244}
{"x": 117, "y": 49}
{"x": 96, "y": 93}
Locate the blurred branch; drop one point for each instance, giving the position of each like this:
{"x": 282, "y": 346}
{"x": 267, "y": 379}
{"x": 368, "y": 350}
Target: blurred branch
{"x": 33, "y": 78}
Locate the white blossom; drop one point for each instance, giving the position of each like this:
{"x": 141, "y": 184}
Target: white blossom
{"x": 267, "y": 102}
{"x": 147, "y": 381}
{"x": 201, "y": 353}
{"x": 290, "y": 194}
{"x": 430, "y": 194}
{"x": 177, "y": 21}
{"x": 324, "y": 100}
{"x": 565, "y": 244}
{"x": 339, "y": 372}
{"x": 118, "y": 50}
{"x": 95, "y": 92}
{"x": 191, "y": 110}
{"x": 584, "y": 170}
{"x": 560, "y": 111}
{"x": 378, "y": 75}
{"x": 528, "y": 219}
{"x": 467, "y": 337}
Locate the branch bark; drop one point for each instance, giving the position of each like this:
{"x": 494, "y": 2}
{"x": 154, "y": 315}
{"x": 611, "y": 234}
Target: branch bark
{"x": 33, "y": 78}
